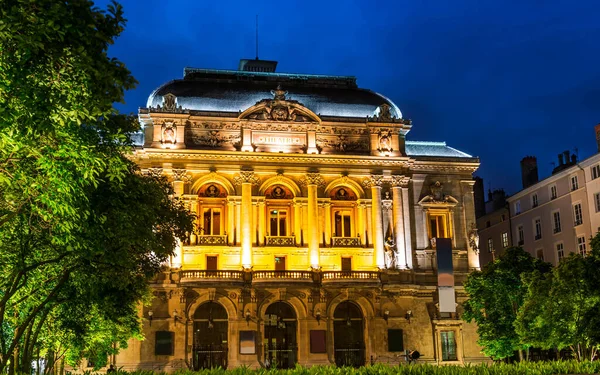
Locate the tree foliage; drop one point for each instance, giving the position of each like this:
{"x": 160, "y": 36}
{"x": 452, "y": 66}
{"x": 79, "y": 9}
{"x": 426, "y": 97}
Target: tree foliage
{"x": 562, "y": 308}
{"x": 495, "y": 295}
{"x": 81, "y": 231}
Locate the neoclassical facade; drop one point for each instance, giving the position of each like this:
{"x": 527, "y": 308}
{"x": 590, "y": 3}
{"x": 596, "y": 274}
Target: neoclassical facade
{"x": 318, "y": 227}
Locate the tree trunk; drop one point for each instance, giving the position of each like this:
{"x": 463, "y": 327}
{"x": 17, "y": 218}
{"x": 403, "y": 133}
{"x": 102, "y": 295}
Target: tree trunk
{"x": 520, "y": 355}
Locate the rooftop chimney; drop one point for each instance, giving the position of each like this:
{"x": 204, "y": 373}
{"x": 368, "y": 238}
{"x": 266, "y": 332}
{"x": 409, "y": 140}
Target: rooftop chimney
{"x": 529, "y": 171}
{"x": 560, "y": 159}
{"x": 597, "y": 129}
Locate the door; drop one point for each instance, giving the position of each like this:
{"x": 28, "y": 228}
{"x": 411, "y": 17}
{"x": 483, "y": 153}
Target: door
{"x": 346, "y": 264}
{"x": 279, "y": 263}
{"x": 210, "y": 347}
{"x": 280, "y": 336}
{"x": 211, "y": 263}
{"x": 348, "y": 339}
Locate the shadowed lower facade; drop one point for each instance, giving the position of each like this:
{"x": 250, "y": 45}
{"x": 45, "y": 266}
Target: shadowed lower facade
{"x": 319, "y": 227}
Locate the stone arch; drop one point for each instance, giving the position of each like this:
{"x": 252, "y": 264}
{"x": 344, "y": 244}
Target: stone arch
{"x": 222, "y": 299}
{"x": 280, "y": 180}
{"x": 296, "y": 303}
{"x": 347, "y": 182}
{"x": 366, "y": 307}
{"x": 213, "y": 177}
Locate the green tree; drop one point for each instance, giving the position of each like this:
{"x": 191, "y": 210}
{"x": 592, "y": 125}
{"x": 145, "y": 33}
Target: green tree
{"x": 562, "y": 308}
{"x": 495, "y": 295}
{"x": 80, "y": 228}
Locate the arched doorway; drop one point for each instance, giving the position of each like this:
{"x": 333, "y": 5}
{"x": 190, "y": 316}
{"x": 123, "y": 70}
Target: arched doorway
{"x": 280, "y": 336}
{"x": 348, "y": 335}
{"x": 210, "y": 336}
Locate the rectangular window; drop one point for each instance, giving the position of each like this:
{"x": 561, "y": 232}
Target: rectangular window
{"x": 597, "y": 201}
{"x": 595, "y": 171}
{"x": 211, "y": 262}
{"x": 278, "y": 223}
{"x": 211, "y": 222}
{"x": 574, "y": 184}
{"x": 448, "y": 346}
{"x": 560, "y": 251}
{"x": 540, "y": 254}
{"x": 395, "y": 340}
{"x": 505, "y": 240}
{"x": 553, "y": 194}
{"x": 577, "y": 214}
{"x": 517, "y": 207}
{"x": 521, "y": 234}
{"x": 280, "y": 263}
{"x": 581, "y": 247}
{"x": 343, "y": 224}
{"x": 490, "y": 245}
{"x": 163, "y": 344}
{"x": 437, "y": 226}
{"x": 346, "y": 264}
{"x": 534, "y": 200}
{"x": 556, "y": 221}
{"x": 538, "y": 229}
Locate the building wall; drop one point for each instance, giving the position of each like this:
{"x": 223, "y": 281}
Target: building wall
{"x": 494, "y": 226}
{"x": 564, "y": 203}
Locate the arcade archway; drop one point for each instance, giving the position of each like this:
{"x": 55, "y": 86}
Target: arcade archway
{"x": 210, "y": 336}
{"x": 281, "y": 347}
{"x": 348, "y": 335}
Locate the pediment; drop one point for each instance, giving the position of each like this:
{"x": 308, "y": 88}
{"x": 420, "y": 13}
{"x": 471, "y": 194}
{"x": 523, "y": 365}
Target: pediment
{"x": 432, "y": 201}
{"x": 279, "y": 109}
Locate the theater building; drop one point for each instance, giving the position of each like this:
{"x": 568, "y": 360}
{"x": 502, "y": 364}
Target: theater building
{"x": 320, "y": 228}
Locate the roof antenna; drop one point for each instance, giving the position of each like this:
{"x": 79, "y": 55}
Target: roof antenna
{"x": 257, "y": 36}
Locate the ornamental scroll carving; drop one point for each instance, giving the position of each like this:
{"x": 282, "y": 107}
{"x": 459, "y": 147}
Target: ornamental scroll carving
{"x": 180, "y": 175}
{"x": 279, "y": 108}
{"x": 312, "y": 179}
{"x": 246, "y": 177}
{"x": 373, "y": 181}
{"x": 399, "y": 181}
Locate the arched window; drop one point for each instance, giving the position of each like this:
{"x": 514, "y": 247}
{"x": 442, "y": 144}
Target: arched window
{"x": 343, "y": 216}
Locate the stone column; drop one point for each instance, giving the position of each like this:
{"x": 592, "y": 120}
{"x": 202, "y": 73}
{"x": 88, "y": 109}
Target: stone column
{"x": 407, "y": 233}
{"x": 297, "y": 219}
{"x": 230, "y": 220}
{"x": 260, "y": 205}
{"x": 312, "y": 182}
{"x": 375, "y": 183}
{"x": 179, "y": 179}
{"x": 468, "y": 203}
{"x": 327, "y": 208}
{"x": 397, "y": 183}
{"x": 361, "y": 222}
{"x": 246, "y": 179}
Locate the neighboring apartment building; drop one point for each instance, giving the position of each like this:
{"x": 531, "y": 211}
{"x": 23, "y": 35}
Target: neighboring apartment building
{"x": 494, "y": 227}
{"x": 559, "y": 215}
{"x": 319, "y": 226}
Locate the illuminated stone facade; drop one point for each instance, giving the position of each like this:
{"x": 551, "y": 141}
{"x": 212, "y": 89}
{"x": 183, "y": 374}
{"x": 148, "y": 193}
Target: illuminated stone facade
{"x": 315, "y": 225}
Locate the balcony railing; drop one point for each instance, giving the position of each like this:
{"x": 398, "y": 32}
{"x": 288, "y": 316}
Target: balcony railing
{"x": 212, "y": 240}
{"x": 345, "y": 242}
{"x": 198, "y": 275}
{"x": 350, "y": 275}
{"x": 283, "y": 275}
{"x": 279, "y": 276}
{"x": 280, "y": 241}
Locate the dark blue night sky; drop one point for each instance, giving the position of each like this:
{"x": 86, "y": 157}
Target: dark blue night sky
{"x": 496, "y": 79}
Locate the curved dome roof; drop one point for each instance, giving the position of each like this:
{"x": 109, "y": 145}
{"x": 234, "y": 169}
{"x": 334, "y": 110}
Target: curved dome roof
{"x": 236, "y": 91}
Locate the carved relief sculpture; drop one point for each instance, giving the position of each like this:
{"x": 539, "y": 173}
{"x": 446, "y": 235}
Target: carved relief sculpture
{"x": 169, "y": 102}
{"x": 474, "y": 238}
{"x": 169, "y": 133}
{"x": 385, "y": 141}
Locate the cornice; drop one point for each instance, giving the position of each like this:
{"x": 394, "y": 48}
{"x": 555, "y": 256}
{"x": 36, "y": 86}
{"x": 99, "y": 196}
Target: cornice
{"x": 413, "y": 164}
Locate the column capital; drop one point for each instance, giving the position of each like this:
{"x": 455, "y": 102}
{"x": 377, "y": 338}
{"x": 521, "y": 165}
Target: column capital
{"x": 373, "y": 181}
{"x": 312, "y": 179}
{"x": 246, "y": 177}
{"x": 181, "y": 175}
{"x": 154, "y": 172}
{"x": 399, "y": 180}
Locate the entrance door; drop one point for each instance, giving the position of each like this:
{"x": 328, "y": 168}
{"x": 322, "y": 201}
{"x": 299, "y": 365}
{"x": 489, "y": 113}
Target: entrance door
{"x": 280, "y": 336}
{"x": 210, "y": 336}
{"x": 211, "y": 262}
{"x": 348, "y": 339}
{"x": 346, "y": 264}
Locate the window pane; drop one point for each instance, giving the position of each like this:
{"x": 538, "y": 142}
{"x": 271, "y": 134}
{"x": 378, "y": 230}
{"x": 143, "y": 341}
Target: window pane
{"x": 448, "y": 346}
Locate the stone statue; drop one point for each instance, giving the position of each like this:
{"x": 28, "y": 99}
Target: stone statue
{"x": 474, "y": 238}
{"x": 390, "y": 253}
